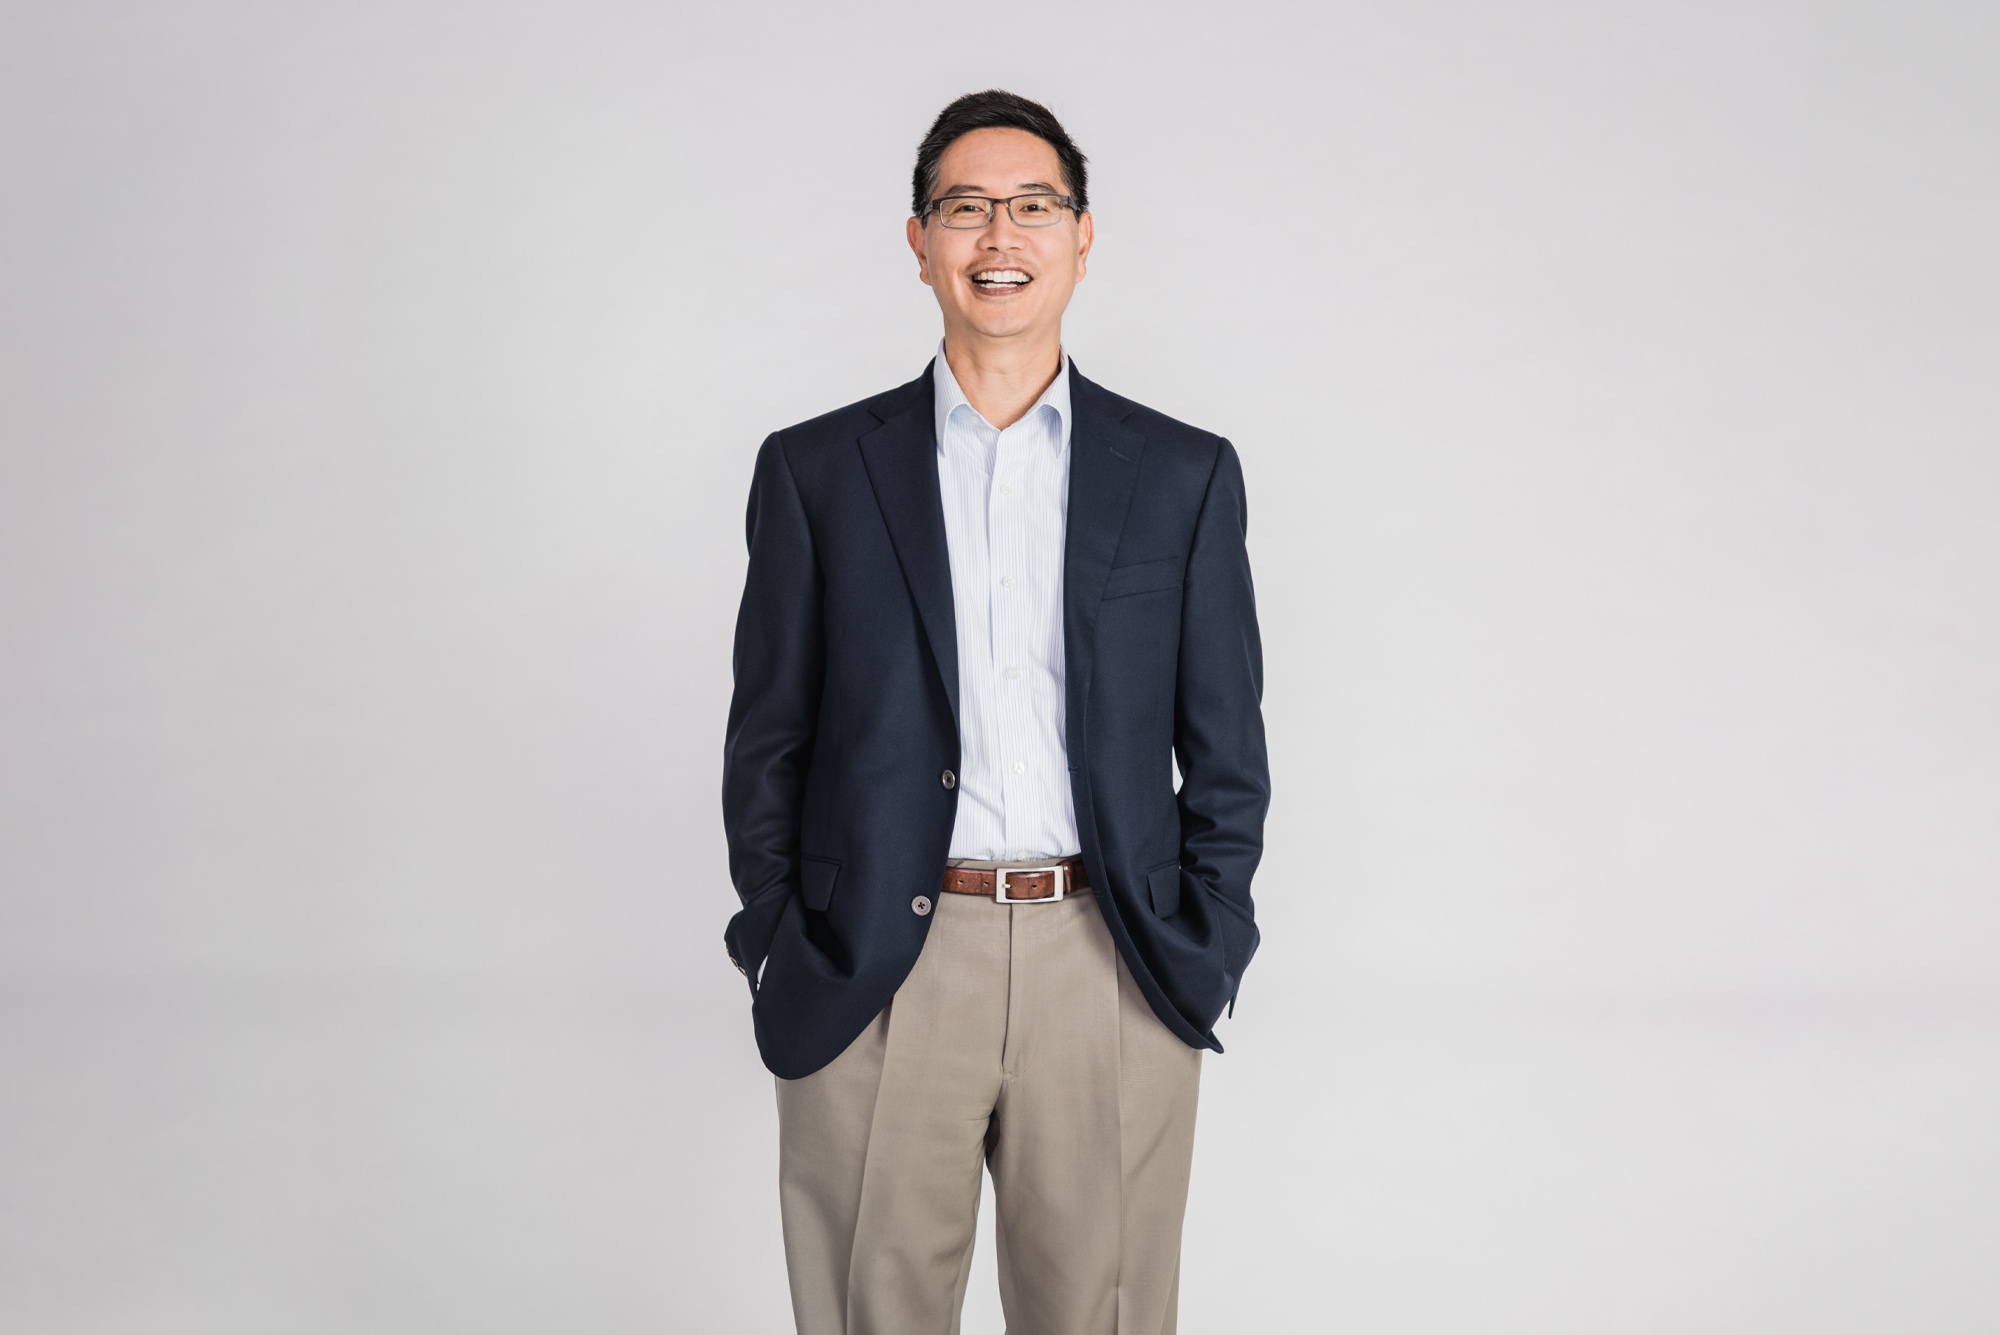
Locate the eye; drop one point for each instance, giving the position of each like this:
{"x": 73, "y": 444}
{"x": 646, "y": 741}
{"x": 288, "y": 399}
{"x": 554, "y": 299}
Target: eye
{"x": 1033, "y": 206}
{"x": 967, "y": 206}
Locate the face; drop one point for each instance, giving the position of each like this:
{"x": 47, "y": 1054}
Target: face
{"x": 1002, "y": 280}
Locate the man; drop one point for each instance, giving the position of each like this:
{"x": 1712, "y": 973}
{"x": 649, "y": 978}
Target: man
{"x": 985, "y": 613}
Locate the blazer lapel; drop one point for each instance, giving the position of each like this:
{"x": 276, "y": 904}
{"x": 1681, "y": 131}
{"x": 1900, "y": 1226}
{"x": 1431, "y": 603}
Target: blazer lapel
{"x": 901, "y": 458}
{"x": 1103, "y": 469}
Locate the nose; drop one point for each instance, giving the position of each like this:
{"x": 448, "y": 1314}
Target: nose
{"x": 1003, "y": 232}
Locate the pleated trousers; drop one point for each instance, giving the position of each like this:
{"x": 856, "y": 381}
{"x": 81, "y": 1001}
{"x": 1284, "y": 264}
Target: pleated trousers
{"x": 1018, "y": 1040}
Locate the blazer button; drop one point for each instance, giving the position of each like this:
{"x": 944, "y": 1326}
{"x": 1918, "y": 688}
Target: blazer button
{"x": 950, "y": 780}
{"x": 920, "y": 905}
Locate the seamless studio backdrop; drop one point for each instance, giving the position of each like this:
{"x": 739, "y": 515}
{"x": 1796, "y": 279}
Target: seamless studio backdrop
{"x": 1616, "y": 385}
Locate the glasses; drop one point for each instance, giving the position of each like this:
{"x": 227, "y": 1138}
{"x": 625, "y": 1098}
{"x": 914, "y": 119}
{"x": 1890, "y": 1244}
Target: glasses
{"x": 977, "y": 210}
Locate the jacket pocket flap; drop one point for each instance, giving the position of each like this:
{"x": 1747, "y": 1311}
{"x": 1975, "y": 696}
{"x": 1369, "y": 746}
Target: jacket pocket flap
{"x": 818, "y": 875}
{"x": 1144, "y": 577}
{"x": 1164, "y": 885}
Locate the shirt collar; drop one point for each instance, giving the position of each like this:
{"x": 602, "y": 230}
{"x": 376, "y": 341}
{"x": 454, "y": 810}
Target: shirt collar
{"x": 949, "y": 396}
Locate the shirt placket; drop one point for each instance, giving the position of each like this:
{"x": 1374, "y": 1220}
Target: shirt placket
{"x": 978, "y": 440}
{"x": 1012, "y": 601}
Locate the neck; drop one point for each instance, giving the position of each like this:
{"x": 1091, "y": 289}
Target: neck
{"x": 1002, "y": 378}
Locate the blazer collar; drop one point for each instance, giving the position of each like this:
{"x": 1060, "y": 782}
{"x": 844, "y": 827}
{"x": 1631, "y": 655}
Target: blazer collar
{"x": 900, "y": 455}
{"x": 901, "y": 458}
{"x": 1103, "y": 470}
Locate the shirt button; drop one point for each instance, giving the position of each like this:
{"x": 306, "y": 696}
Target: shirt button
{"x": 949, "y": 780}
{"x": 1020, "y": 768}
{"x": 1006, "y": 490}
{"x": 920, "y": 905}
{"x": 1013, "y": 674}
{"x": 1006, "y": 581}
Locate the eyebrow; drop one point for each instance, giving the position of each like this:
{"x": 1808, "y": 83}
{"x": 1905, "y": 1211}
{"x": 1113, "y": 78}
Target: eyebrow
{"x": 1033, "y": 187}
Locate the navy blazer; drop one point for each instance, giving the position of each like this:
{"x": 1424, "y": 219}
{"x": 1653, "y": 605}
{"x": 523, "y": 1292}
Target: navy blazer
{"x": 844, "y": 724}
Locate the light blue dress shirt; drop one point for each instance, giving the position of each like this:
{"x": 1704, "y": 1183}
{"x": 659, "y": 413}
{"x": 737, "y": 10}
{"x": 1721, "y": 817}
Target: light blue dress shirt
{"x": 1006, "y": 503}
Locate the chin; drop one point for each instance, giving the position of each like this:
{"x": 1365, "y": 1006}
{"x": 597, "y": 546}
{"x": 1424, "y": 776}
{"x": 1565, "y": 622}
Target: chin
{"x": 1001, "y": 324}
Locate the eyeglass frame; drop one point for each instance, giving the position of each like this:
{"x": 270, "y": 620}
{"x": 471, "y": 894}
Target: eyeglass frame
{"x": 1062, "y": 202}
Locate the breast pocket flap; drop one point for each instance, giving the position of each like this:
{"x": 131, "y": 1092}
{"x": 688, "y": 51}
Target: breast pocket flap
{"x": 1143, "y": 577}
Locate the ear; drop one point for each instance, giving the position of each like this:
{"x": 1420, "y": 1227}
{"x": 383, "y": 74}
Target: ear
{"x": 1086, "y": 227}
{"x": 915, "y": 231}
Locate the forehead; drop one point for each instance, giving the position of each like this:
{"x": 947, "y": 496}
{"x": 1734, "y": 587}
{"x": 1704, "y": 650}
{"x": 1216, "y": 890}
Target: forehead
{"x": 999, "y": 161}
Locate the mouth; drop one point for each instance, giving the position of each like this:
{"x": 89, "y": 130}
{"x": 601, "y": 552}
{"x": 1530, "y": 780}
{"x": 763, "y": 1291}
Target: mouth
{"x": 1000, "y": 282}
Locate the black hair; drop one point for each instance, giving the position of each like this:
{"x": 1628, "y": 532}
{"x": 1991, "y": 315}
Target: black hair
{"x": 997, "y": 109}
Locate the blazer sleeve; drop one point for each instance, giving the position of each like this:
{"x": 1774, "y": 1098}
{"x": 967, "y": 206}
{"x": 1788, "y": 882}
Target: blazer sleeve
{"x": 779, "y": 665}
{"x": 1218, "y": 719}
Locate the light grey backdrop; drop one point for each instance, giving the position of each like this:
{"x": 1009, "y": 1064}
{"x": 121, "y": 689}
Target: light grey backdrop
{"x": 1616, "y": 385}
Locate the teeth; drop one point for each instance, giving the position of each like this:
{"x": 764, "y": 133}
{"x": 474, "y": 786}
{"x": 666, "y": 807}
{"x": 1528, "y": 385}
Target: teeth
{"x": 1001, "y": 276}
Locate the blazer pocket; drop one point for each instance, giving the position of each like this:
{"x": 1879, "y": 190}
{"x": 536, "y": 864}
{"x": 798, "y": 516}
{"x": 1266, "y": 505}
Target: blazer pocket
{"x": 1164, "y": 885}
{"x": 817, "y": 877}
{"x": 1143, "y": 577}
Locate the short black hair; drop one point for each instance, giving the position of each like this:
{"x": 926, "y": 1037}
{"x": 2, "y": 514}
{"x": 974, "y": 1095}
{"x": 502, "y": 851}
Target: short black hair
{"x": 997, "y": 109}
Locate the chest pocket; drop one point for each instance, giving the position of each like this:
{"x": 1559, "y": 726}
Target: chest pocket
{"x": 1143, "y": 577}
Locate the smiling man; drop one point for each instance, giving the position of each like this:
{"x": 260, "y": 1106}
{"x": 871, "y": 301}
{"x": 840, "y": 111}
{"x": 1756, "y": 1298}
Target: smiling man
{"x": 985, "y": 615}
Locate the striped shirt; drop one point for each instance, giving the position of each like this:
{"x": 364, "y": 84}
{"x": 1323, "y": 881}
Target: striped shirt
{"x": 1006, "y": 501}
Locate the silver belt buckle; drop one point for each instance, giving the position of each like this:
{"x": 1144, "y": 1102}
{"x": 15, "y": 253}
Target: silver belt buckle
{"x": 1000, "y": 875}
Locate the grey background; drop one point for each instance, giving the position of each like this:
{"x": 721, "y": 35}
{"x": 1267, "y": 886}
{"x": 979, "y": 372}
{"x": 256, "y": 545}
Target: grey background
{"x": 1617, "y": 389}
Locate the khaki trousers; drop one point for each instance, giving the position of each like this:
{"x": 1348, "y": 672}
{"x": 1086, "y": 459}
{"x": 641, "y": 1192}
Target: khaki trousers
{"x": 1019, "y": 1039}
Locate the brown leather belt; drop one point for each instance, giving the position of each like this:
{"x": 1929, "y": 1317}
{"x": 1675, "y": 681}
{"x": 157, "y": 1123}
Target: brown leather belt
{"x": 1022, "y": 884}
